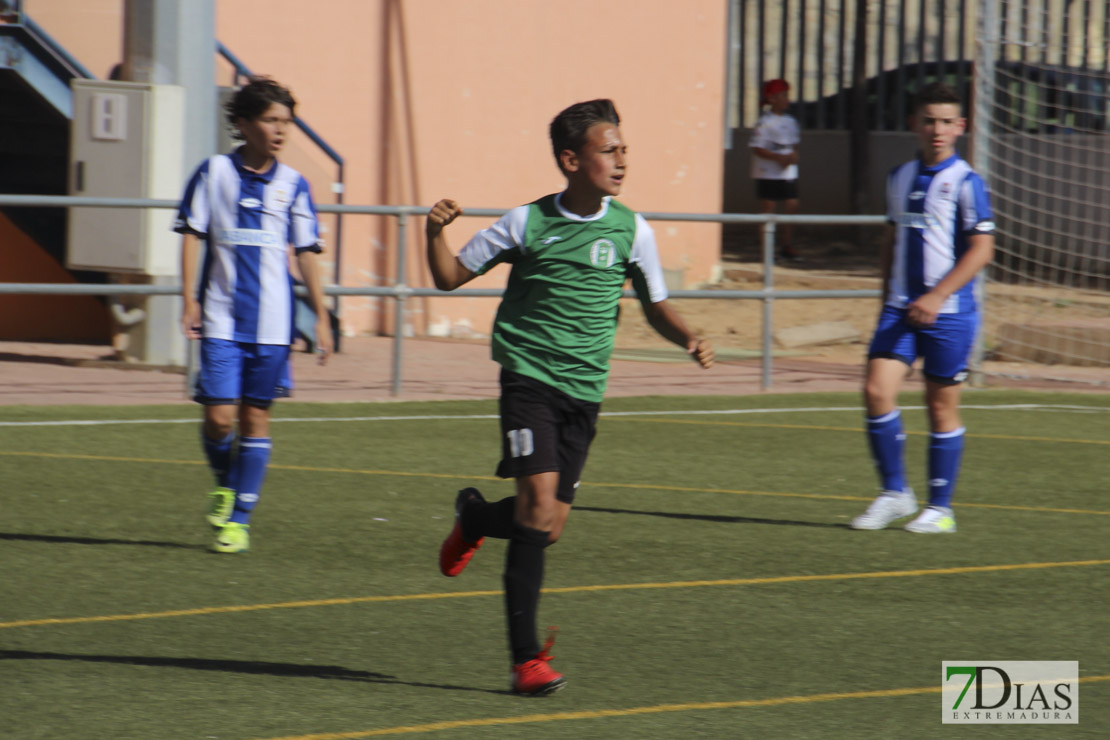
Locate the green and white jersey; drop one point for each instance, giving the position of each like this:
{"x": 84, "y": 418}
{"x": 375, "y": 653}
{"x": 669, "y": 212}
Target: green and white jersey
{"x": 558, "y": 316}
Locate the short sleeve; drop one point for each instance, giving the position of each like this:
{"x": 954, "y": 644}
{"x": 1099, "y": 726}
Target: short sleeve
{"x": 975, "y": 206}
{"x": 760, "y": 138}
{"x": 492, "y": 245}
{"x": 644, "y": 267}
{"x": 304, "y": 227}
{"x": 194, "y": 211}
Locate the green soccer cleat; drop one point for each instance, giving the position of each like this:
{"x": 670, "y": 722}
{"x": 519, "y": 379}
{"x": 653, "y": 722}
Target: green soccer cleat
{"x": 220, "y": 503}
{"x": 233, "y": 537}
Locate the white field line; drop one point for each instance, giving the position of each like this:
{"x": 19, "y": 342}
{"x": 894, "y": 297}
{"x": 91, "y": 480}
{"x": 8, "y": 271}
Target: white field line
{"x": 468, "y": 417}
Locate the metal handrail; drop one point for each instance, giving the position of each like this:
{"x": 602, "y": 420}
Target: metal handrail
{"x": 245, "y": 71}
{"x": 61, "y": 58}
{"x": 400, "y": 292}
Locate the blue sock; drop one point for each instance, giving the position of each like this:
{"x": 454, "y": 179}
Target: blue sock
{"x": 218, "y": 453}
{"x": 888, "y": 442}
{"x": 250, "y": 471}
{"x": 945, "y": 451}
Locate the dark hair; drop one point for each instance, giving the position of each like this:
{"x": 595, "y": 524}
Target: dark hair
{"x": 936, "y": 93}
{"x": 568, "y": 129}
{"x": 252, "y": 100}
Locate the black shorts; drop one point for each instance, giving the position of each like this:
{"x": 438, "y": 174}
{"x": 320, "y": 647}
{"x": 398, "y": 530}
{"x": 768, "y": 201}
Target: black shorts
{"x": 776, "y": 189}
{"x": 544, "y": 430}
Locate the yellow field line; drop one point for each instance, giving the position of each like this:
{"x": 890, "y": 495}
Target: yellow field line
{"x": 560, "y": 590}
{"x": 597, "y": 484}
{"x": 757, "y": 425}
{"x": 631, "y": 712}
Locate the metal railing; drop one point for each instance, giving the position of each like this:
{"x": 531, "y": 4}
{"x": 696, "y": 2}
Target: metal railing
{"x": 400, "y": 291}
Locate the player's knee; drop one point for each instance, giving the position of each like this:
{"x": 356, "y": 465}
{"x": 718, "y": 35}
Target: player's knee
{"x": 555, "y": 533}
{"x": 531, "y": 535}
{"x": 878, "y": 396}
{"x": 217, "y": 428}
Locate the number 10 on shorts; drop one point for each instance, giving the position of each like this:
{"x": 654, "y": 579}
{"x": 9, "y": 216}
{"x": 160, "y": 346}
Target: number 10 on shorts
{"x": 520, "y": 442}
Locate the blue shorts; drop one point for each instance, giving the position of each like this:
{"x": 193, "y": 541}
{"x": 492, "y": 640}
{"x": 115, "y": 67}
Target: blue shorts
{"x": 231, "y": 372}
{"x": 946, "y": 345}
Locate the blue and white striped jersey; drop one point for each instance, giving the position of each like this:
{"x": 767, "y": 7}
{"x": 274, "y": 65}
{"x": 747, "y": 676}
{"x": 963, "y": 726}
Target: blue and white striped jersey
{"x": 248, "y": 220}
{"x": 934, "y": 209}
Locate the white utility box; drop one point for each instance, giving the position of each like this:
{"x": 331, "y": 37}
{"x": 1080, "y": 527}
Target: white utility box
{"x": 125, "y": 142}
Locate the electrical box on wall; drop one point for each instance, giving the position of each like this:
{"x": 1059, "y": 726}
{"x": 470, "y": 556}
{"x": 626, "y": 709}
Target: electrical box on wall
{"x": 125, "y": 142}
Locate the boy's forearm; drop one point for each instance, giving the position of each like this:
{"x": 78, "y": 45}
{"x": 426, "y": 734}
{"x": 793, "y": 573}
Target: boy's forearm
{"x": 886, "y": 262}
{"x": 190, "y": 248}
{"x": 447, "y": 271}
{"x": 310, "y": 273}
{"x": 766, "y": 154}
{"x": 440, "y": 260}
{"x": 669, "y": 325}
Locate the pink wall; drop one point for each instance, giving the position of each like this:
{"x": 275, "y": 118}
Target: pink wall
{"x": 428, "y": 99}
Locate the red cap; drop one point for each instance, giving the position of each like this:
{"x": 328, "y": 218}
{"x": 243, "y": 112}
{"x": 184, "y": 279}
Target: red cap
{"x": 772, "y": 87}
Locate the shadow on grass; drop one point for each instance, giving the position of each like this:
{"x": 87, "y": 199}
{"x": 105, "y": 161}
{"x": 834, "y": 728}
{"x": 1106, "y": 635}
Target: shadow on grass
{"x": 60, "y": 539}
{"x": 252, "y": 667}
{"x": 715, "y": 518}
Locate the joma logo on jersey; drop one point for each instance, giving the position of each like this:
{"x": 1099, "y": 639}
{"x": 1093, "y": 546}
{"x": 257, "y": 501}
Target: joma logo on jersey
{"x": 603, "y": 253}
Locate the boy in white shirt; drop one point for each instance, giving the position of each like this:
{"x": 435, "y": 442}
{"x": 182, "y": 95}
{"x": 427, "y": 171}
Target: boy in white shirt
{"x": 774, "y": 146}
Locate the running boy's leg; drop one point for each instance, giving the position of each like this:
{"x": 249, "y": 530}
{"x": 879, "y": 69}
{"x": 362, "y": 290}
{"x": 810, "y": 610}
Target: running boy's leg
{"x": 538, "y": 521}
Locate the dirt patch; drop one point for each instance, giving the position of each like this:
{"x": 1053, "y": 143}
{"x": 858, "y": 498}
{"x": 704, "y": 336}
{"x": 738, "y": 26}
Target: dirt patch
{"x": 736, "y": 326}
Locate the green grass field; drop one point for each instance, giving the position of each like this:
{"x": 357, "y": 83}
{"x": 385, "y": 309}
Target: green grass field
{"x": 707, "y": 585}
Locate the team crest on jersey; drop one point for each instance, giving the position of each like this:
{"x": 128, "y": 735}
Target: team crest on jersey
{"x": 280, "y": 196}
{"x": 945, "y": 188}
{"x": 603, "y": 253}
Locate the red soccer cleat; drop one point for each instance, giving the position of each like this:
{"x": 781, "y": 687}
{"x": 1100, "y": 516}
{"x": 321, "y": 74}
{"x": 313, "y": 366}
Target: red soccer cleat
{"x": 455, "y": 552}
{"x": 535, "y": 677}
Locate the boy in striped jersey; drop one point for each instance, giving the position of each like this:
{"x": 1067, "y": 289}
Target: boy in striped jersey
{"x": 247, "y": 208}
{"x": 941, "y": 237}
{"x": 571, "y": 254}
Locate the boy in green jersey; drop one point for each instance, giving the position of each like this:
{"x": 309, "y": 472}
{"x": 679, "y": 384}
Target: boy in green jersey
{"x": 571, "y": 254}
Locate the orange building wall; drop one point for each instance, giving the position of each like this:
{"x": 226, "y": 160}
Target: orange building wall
{"x": 35, "y": 317}
{"x": 428, "y": 99}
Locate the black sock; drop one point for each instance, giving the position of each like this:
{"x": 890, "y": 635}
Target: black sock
{"x": 523, "y": 578}
{"x": 489, "y": 520}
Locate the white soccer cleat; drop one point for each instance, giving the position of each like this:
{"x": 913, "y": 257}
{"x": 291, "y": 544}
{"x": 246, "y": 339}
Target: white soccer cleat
{"x": 890, "y": 505}
{"x": 934, "y": 520}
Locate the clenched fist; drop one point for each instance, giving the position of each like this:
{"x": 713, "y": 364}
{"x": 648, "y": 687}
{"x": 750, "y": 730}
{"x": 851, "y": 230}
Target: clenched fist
{"x": 442, "y": 213}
